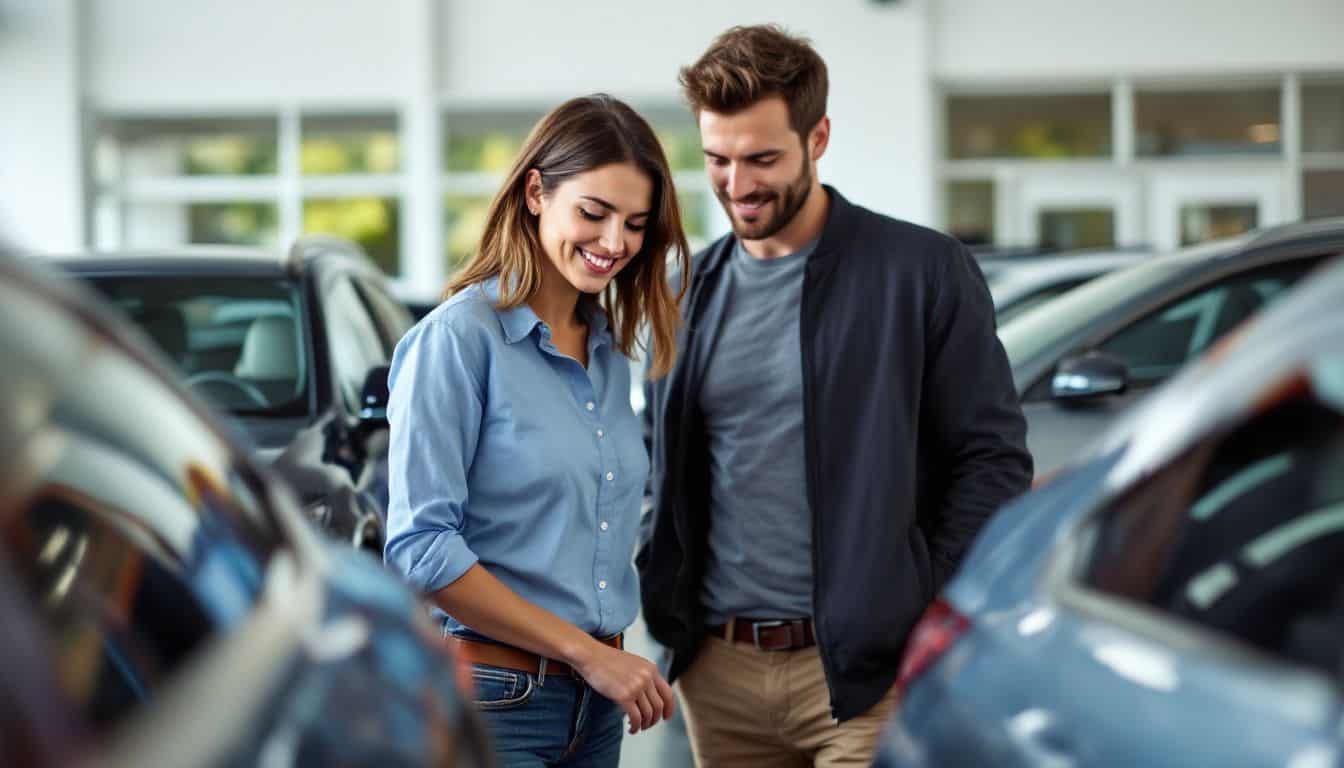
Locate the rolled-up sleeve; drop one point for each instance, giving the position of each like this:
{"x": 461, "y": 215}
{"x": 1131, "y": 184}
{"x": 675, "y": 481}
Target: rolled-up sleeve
{"x": 434, "y": 412}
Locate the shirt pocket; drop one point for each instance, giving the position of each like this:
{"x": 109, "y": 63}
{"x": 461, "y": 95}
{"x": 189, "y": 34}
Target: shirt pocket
{"x": 498, "y": 688}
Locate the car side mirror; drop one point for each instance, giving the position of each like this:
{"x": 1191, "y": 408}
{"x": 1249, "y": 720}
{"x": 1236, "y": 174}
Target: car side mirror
{"x": 373, "y": 397}
{"x": 1087, "y": 377}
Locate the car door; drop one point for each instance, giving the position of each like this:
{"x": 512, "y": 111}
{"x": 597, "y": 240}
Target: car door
{"x": 1204, "y": 605}
{"x": 1152, "y": 346}
{"x": 356, "y": 349}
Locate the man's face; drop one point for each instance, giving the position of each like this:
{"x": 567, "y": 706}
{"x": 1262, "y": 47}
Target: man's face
{"x": 759, "y": 167}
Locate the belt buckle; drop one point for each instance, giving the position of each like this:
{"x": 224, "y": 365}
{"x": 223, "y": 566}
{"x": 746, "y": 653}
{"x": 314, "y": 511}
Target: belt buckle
{"x": 757, "y": 626}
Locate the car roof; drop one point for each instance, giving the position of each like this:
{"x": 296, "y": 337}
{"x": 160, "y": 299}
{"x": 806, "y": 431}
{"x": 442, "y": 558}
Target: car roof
{"x": 1016, "y": 278}
{"x": 217, "y": 259}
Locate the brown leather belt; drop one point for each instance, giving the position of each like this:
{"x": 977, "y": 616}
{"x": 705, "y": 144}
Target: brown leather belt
{"x": 769, "y": 634}
{"x": 509, "y": 657}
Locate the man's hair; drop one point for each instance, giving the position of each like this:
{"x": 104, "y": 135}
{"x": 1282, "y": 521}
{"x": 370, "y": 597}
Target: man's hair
{"x": 747, "y": 64}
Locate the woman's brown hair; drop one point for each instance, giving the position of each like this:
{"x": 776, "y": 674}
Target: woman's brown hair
{"x": 579, "y": 136}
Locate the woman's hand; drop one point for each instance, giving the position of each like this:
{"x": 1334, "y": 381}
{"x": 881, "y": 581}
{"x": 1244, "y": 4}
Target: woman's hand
{"x": 631, "y": 681}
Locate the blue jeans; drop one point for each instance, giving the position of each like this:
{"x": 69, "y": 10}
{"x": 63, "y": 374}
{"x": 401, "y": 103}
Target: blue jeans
{"x": 558, "y": 722}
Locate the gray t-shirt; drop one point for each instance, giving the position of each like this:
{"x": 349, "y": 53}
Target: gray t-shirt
{"x": 760, "y": 532}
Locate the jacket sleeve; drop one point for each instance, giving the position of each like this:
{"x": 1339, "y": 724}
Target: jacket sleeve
{"x": 971, "y": 411}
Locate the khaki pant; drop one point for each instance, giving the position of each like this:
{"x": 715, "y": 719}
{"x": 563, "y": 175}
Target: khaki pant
{"x": 746, "y": 707}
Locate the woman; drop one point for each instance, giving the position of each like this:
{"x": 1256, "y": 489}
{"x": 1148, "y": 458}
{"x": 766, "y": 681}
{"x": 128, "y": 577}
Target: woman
{"x": 517, "y": 465}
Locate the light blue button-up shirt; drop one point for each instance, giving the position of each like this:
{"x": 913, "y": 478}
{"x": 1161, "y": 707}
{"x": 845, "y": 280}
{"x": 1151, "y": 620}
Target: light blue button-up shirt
{"x": 506, "y": 452}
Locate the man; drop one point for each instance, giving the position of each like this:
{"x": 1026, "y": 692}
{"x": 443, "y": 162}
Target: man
{"x": 840, "y": 423}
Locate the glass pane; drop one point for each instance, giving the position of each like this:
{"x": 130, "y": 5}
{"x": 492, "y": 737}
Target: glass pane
{"x": 1175, "y": 123}
{"x": 1323, "y": 117}
{"x": 1322, "y": 194}
{"x": 970, "y": 211}
{"x": 158, "y": 225}
{"x": 237, "y": 341}
{"x": 373, "y": 222}
{"x": 485, "y": 141}
{"x": 236, "y": 146}
{"x": 1069, "y": 230}
{"x": 1056, "y": 125}
{"x": 464, "y": 221}
{"x": 682, "y": 147}
{"x": 352, "y": 340}
{"x": 1210, "y": 222}
{"x": 694, "y": 215}
{"x": 334, "y": 144}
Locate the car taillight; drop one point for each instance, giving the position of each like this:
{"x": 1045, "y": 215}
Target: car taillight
{"x": 937, "y": 629}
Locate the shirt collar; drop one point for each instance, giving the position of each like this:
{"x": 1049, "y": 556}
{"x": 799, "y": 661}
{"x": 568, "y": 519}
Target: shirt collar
{"x": 518, "y": 322}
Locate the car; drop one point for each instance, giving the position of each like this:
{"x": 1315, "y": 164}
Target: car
{"x": 164, "y": 599}
{"x": 1027, "y": 283}
{"x": 1174, "y": 598}
{"x": 1080, "y": 360}
{"x": 293, "y": 347}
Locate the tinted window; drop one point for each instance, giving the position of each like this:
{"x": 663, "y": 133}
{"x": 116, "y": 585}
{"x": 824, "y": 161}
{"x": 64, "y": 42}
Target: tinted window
{"x": 355, "y": 344}
{"x": 1159, "y": 343}
{"x": 239, "y": 342}
{"x": 131, "y": 526}
{"x": 391, "y": 316}
{"x": 1245, "y": 533}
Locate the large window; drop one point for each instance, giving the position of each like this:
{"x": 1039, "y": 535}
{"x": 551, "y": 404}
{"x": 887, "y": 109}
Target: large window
{"x": 1207, "y": 122}
{"x": 254, "y": 180}
{"x": 1037, "y": 126}
{"x": 479, "y": 147}
{"x": 1139, "y": 163}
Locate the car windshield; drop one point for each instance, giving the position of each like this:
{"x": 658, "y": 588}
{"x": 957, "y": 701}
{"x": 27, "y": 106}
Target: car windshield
{"x": 238, "y": 341}
{"x": 1036, "y": 330}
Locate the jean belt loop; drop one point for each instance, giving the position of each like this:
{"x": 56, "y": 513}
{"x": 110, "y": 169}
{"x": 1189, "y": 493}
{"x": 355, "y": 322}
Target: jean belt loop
{"x": 728, "y": 631}
{"x": 541, "y": 673}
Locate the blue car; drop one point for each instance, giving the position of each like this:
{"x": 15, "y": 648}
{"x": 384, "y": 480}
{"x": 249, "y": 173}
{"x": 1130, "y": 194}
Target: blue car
{"x": 163, "y": 599}
{"x": 1176, "y": 598}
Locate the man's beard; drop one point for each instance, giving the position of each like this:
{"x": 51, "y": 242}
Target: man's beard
{"x": 787, "y": 205}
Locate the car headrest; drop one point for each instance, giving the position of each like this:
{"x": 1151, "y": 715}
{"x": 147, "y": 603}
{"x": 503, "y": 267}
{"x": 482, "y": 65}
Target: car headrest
{"x": 270, "y": 349}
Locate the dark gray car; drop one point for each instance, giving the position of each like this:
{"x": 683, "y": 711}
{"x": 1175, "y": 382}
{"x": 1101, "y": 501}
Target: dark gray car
{"x": 1084, "y": 357}
{"x": 292, "y": 347}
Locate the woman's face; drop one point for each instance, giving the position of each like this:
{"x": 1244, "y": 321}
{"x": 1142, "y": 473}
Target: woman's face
{"x": 592, "y": 224}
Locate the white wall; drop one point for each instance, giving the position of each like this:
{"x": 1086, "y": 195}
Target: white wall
{"x": 41, "y": 181}
{"x": 149, "y": 54}
{"x": 518, "y": 51}
{"x": 1034, "y": 40}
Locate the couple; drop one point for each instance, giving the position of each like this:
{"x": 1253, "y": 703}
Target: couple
{"x": 830, "y": 420}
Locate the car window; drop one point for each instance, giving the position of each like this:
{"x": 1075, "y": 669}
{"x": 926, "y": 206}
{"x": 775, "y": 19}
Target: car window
{"x": 238, "y": 342}
{"x": 1157, "y": 344}
{"x": 391, "y": 316}
{"x": 1243, "y": 534}
{"x": 353, "y": 339}
{"x": 134, "y": 527}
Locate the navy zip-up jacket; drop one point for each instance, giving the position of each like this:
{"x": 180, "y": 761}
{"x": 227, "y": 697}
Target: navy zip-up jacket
{"x": 913, "y": 438}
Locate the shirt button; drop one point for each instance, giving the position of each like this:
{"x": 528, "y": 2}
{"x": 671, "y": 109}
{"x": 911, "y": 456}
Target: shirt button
{"x": 601, "y": 585}
{"x": 604, "y": 525}
{"x": 590, "y": 405}
{"x": 611, "y": 476}
{"x": 600, "y": 433}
